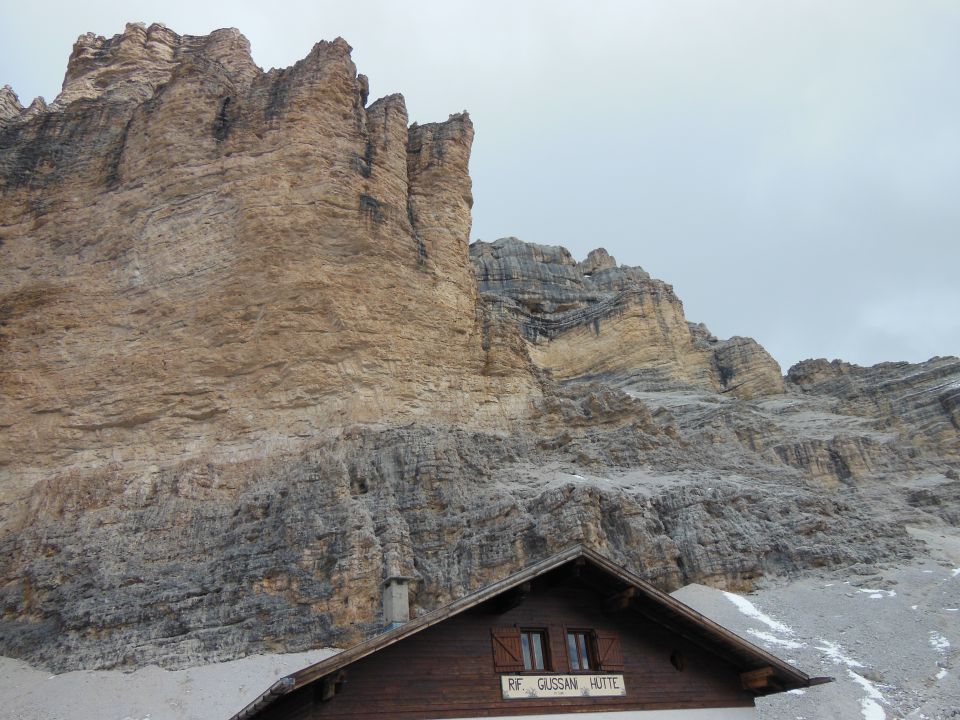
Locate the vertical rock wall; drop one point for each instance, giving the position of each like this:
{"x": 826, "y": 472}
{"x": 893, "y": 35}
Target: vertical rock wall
{"x": 200, "y": 258}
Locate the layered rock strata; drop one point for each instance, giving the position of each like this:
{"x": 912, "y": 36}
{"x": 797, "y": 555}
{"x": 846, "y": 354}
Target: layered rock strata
{"x": 596, "y": 320}
{"x": 208, "y": 563}
{"x": 10, "y": 107}
{"x": 921, "y": 402}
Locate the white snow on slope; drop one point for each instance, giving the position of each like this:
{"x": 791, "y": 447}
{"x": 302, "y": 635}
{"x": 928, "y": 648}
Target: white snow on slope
{"x": 774, "y": 640}
{"x": 939, "y": 642}
{"x": 877, "y": 594}
{"x": 870, "y": 705}
{"x": 837, "y": 654}
{"x": 937, "y": 388}
{"x": 751, "y": 611}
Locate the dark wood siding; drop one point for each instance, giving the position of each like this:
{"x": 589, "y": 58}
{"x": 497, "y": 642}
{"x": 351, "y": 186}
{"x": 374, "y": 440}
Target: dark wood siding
{"x": 449, "y": 670}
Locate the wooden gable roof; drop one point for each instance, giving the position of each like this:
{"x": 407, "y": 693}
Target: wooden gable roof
{"x": 761, "y": 671}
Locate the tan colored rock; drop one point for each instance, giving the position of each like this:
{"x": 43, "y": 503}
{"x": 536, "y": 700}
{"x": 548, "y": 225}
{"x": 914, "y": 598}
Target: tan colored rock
{"x": 838, "y": 461}
{"x": 597, "y": 260}
{"x": 646, "y": 337}
{"x": 745, "y": 369}
{"x": 224, "y": 261}
{"x": 593, "y": 320}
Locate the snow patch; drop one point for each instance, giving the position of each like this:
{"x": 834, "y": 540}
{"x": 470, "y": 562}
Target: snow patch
{"x": 870, "y": 705}
{"x": 877, "y": 594}
{"x": 939, "y": 642}
{"x": 751, "y": 611}
{"x": 837, "y": 654}
{"x": 942, "y": 674}
{"x": 955, "y": 572}
{"x": 868, "y": 686}
{"x": 774, "y": 640}
{"x": 796, "y": 691}
{"x": 871, "y": 710}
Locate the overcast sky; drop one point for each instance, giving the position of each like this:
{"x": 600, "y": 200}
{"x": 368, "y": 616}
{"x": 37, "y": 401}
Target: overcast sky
{"x": 792, "y": 168}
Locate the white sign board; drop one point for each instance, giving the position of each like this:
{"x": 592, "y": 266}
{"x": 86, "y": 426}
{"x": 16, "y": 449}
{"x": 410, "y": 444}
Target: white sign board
{"x": 519, "y": 687}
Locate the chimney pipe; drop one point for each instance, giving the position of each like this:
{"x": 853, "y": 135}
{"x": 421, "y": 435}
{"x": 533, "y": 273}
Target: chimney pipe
{"x": 396, "y": 601}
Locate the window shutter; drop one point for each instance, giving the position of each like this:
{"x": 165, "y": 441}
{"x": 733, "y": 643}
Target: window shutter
{"x": 507, "y": 653}
{"x": 609, "y": 655}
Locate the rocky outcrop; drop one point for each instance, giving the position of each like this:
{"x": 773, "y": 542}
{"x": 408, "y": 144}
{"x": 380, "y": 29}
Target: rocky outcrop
{"x": 596, "y": 320}
{"x": 741, "y": 366}
{"x": 10, "y": 107}
{"x": 131, "y": 67}
{"x": 918, "y": 401}
{"x": 840, "y": 459}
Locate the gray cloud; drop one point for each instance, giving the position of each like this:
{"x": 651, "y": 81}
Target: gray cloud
{"x": 792, "y": 168}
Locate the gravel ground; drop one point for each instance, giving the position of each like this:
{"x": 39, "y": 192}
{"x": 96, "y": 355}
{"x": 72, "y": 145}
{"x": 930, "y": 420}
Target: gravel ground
{"x": 889, "y": 635}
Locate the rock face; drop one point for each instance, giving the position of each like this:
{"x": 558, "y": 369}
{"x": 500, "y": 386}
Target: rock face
{"x": 250, "y": 368}
{"x": 10, "y": 107}
{"x": 203, "y": 258}
{"x": 922, "y": 402}
{"x": 208, "y": 564}
{"x": 596, "y": 320}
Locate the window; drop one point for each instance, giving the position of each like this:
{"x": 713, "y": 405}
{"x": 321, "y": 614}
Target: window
{"x": 533, "y": 644}
{"x": 580, "y": 650}
{"x": 517, "y": 649}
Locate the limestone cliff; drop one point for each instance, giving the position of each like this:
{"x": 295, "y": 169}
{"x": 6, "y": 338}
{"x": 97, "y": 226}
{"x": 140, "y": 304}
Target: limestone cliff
{"x": 596, "y": 320}
{"x": 250, "y": 368}
{"x": 204, "y": 259}
{"x": 921, "y": 402}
